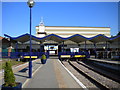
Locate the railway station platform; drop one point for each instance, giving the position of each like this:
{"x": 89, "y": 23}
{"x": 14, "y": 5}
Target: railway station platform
{"x": 109, "y": 61}
{"x": 107, "y": 64}
{"x": 50, "y": 75}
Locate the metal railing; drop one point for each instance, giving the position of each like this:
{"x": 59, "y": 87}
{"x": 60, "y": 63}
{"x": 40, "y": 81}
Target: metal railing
{"x": 21, "y": 54}
{"x": 108, "y": 54}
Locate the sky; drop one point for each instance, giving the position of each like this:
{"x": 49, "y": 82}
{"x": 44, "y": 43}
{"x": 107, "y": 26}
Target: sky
{"x": 15, "y": 15}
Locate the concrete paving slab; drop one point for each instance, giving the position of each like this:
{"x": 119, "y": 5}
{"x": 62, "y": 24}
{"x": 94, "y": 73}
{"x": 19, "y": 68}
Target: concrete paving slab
{"x": 52, "y": 75}
{"x": 44, "y": 78}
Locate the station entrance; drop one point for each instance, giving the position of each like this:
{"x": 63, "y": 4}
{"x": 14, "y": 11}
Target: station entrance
{"x": 52, "y": 49}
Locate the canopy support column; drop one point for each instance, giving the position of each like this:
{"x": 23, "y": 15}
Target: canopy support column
{"x": 63, "y": 46}
{"x": 40, "y": 46}
{"x": 106, "y": 49}
{"x": 48, "y": 49}
{"x": 16, "y": 49}
{"x": 85, "y": 45}
{"x": 16, "y": 46}
{"x": 95, "y": 50}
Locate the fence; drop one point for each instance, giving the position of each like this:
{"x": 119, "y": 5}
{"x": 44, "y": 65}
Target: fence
{"x": 21, "y": 54}
{"x": 108, "y": 54}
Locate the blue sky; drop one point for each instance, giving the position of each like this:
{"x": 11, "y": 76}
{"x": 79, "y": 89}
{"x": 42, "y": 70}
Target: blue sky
{"x": 15, "y": 15}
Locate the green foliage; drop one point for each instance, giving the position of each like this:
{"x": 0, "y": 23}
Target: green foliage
{"x": 9, "y": 77}
{"x": 13, "y": 62}
{"x": 118, "y": 33}
{"x": 43, "y": 57}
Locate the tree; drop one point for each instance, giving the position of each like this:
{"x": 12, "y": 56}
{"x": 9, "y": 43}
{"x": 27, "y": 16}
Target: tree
{"x": 9, "y": 77}
{"x": 118, "y": 33}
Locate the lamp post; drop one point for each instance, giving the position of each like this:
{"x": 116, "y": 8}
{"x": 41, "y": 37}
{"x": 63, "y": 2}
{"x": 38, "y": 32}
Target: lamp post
{"x": 30, "y": 4}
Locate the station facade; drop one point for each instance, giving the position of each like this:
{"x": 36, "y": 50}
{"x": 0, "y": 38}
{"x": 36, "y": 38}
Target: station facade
{"x": 55, "y": 39}
{"x": 70, "y": 45}
{"x": 67, "y": 31}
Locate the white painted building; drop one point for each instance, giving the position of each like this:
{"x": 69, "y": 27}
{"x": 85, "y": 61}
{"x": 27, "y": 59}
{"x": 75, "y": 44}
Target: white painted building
{"x": 66, "y": 31}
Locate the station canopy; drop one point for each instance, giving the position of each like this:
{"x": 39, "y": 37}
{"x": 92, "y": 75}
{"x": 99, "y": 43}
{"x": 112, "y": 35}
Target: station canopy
{"x": 77, "y": 38}
{"x": 99, "y": 38}
{"x": 116, "y": 38}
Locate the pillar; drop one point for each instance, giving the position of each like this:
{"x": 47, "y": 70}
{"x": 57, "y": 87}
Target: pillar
{"x": 85, "y": 45}
{"x": 40, "y": 47}
{"x": 106, "y": 49}
{"x": 63, "y": 46}
{"x": 16, "y": 50}
{"x": 95, "y": 50}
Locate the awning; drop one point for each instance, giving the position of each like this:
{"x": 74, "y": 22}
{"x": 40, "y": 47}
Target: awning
{"x": 99, "y": 38}
{"x": 75, "y": 38}
{"x": 23, "y": 38}
{"x": 116, "y": 38}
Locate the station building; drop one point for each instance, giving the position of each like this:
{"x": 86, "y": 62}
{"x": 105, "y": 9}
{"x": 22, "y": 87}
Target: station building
{"x": 55, "y": 39}
{"x": 68, "y": 31}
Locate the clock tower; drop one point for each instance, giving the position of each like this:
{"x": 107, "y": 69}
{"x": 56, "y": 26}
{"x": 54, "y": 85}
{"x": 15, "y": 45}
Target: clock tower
{"x": 40, "y": 30}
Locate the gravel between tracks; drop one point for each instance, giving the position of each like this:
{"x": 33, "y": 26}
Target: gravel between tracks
{"x": 103, "y": 71}
{"x": 107, "y": 82}
{"x": 81, "y": 78}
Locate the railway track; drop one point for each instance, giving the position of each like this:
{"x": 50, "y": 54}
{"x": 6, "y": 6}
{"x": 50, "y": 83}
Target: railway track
{"x": 109, "y": 67}
{"x": 96, "y": 78}
{"x": 102, "y": 72}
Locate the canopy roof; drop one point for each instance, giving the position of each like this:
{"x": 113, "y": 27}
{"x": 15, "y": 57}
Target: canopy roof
{"x": 116, "y": 38}
{"x": 75, "y": 38}
{"x": 99, "y": 38}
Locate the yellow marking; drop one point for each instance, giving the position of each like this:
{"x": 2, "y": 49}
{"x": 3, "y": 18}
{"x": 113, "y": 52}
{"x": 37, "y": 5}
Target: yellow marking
{"x": 79, "y": 56}
{"x": 34, "y": 57}
{"x": 65, "y": 56}
{"x": 26, "y": 56}
{"x": 29, "y": 56}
